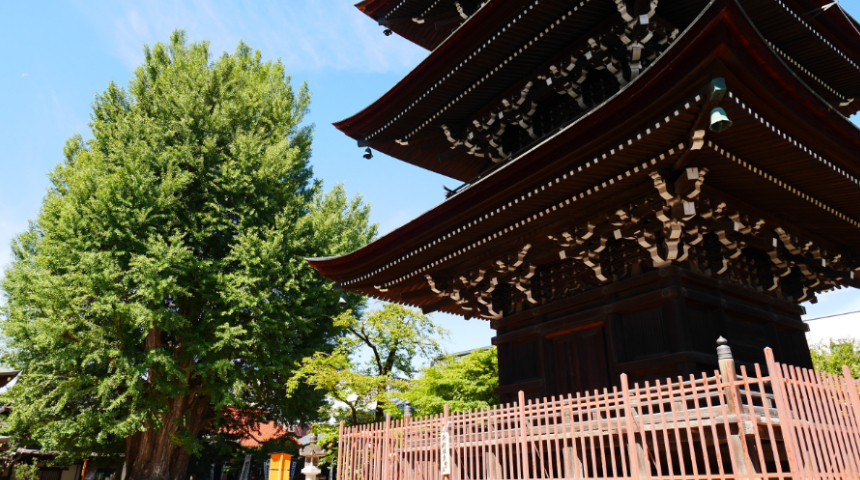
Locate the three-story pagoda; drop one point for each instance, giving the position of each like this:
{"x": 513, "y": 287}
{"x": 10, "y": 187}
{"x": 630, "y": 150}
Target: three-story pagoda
{"x": 639, "y": 178}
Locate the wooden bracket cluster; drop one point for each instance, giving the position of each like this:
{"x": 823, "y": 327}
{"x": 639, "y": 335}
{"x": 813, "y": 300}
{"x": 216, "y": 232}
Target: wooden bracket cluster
{"x": 624, "y": 47}
{"x": 678, "y": 224}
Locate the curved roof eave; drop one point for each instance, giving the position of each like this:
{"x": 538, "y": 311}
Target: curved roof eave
{"x": 369, "y": 7}
{"x": 383, "y": 241}
{"x": 387, "y": 243}
{"x": 788, "y": 69}
{"x": 428, "y": 65}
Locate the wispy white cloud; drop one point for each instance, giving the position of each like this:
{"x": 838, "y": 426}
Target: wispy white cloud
{"x": 23, "y": 75}
{"x": 309, "y": 34}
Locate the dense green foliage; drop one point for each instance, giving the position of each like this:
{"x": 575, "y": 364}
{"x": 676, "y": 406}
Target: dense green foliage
{"x": 164, "y": 277}
{"x": 461, "y": 382}
{"x": 831, "y": 356}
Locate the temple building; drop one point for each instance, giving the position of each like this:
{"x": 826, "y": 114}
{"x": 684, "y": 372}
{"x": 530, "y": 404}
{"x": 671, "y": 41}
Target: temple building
{"x": 639, "y": 178}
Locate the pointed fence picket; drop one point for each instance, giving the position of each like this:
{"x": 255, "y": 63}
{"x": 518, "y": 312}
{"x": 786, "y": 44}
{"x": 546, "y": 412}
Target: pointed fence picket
{"x": 794, "y": 423}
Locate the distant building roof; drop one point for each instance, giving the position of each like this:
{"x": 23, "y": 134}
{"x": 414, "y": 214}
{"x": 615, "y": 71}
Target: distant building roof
{"x": 460, "y": 354}
{"x": 466, "y": 352}
{"x": 256, "y": 434}
{"x": 263, "y": 433}
{"x": 7, "y": 375}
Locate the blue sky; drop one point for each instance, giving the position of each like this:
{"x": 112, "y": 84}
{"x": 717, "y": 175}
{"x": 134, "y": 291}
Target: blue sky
{"x": 57, "y": 55}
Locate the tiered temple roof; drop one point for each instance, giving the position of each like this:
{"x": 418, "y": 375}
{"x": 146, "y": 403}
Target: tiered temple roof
{"x": 581, "y": 131}
{"x": 484, "y": 66}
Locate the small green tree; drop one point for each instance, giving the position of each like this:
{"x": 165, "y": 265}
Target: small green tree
{"x": 391, "y": 339}
{"x": 164, "y": 279}
{"x": 461, "y": 382}
{"x": 370, "y": 365}
{"x": 830, "y": 356}
{"x": 26, "y": 471}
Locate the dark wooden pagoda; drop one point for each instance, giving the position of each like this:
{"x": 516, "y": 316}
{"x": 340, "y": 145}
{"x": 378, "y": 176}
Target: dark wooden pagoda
{"x": 640, "y": 177}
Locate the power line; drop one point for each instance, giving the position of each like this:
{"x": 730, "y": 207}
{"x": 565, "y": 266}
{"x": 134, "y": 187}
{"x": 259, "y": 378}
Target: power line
{"x": 831, "y": 316}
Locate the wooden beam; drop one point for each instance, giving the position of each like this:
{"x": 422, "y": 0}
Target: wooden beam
{"x": 424, "y": 292}
{"x": 435, "y": 307}
{"x": 788, "y": 226}
{"x": 450, "y": 153}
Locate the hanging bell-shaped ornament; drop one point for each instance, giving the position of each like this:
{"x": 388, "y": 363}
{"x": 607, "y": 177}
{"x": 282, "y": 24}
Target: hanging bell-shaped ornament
{"x": 368, "y": 153}
{"x": 719, "y": 120}
{"x": 717, "y": 89}
{"x": 343, "y": 301}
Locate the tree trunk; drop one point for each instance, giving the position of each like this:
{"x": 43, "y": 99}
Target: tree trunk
{"x": 154, "y": 454}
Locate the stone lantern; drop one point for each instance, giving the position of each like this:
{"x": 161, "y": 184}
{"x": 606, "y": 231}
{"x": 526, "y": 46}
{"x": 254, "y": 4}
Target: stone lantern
{"x": 312, "y": 453}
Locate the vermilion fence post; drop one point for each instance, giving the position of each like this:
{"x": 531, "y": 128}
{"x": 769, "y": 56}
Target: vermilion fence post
{"x": 777, "y": 383}
{"x": 633, "y": 453}
{"x": 524, "y": 456}
{"x": 386, "y": 448}
{"x": 851, "y": 385}
{"x": 341, "y": 442}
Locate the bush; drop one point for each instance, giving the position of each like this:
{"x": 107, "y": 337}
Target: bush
{"x": 829, "y": 357}
{"x": 26, "y": 471}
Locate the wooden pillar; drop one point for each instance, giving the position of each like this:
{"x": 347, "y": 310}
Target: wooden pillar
{"x": 525, "y": 472}
{"x": 492, "y": 465}
{"x": 639, "y": 467}
{"x": 573, "y": 468}
{"x": 678, "y": 317}
{"x": 727, "y": 373}
{"x": 573, "y": 462}
{"x": 410, "y": 470}
{"x": 386, "y": 449}
{"x": 745, "y": 464}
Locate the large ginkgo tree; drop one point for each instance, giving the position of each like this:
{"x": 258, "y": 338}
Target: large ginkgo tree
{"x": 163, "y": 280}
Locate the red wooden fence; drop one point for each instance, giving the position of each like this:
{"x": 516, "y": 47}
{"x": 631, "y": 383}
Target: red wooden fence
{"x": 795, "y": 423}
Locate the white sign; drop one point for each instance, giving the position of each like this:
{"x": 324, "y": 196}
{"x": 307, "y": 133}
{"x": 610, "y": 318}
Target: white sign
{"x": 445, "y": 452}
{"x": 246, "y": 468}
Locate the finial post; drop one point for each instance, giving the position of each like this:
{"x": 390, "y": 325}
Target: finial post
{"x": 727, "y": 372}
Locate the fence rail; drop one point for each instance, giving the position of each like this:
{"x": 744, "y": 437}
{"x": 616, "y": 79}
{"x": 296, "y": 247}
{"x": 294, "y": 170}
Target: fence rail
{"x": 794, "y": 423}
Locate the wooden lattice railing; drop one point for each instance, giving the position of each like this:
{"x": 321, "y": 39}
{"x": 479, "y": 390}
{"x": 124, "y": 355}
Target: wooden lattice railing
{"x": 795, "y": 423}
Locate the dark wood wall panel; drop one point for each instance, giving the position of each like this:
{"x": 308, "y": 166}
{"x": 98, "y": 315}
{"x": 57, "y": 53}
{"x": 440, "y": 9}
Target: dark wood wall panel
{"x": 645, "y": 333}
{"x": 657, "y": 325}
